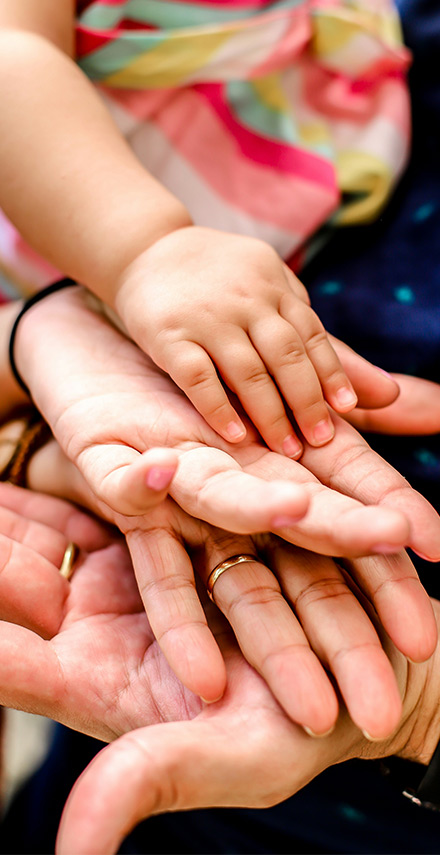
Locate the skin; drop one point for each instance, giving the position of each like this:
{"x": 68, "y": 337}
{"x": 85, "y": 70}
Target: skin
{"x": 140, "y": 406}
{"x": 91, "y": 193}
{"x": 165, "y": 741}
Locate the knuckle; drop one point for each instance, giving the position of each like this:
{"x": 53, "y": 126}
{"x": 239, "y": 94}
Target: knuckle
{"x": 316, "y": 339}
{"x": 176, "y": 586}
{"x": 194, "y": 373}
{"x": 265, "y": 594}
{"x": 256, "y": 375}
{"x": 291, "y": 353}
{"x": 322, "y": 589}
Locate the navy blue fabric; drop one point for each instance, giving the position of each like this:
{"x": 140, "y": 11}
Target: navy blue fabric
{"x": 378, "y": 288}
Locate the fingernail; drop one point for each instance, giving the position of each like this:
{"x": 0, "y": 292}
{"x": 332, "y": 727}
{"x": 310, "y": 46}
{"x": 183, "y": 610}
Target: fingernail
{"x": 372, "y": 738}
{"x": 291, "y": 447}
{"x": 235, "y": 430}
{"x": 285, "y": 521}
{"x": 312, "y": 733}
{"x": 215, "y": 701}
{"x": 386, "y": 548}
{"x": 346, "y": 397}
{"x": 382, "y": 371}
{"x": 323, "y": 431}
{"x": 159, "y": 477}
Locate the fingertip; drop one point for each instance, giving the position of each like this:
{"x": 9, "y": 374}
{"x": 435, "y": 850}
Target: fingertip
{"x": 235, "y": 431}
{"x": 322, "y": 433}
{"x": 371, "y": 694}
{"x": 198, "y": 663}
{"x": 159, "y": 478}
{"x": 344, "y": 400}
{"x": 290, "y": 507}
{"x": 292, "y": 447}
{"x": 314, "y": 735}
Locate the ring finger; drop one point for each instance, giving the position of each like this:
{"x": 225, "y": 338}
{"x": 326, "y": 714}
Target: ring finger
{"x": 270, "y": 636}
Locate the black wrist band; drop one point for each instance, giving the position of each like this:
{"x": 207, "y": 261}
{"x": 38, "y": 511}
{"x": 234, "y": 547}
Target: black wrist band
{"x": 420, "y": 784}
{"x": 40, "y": 295}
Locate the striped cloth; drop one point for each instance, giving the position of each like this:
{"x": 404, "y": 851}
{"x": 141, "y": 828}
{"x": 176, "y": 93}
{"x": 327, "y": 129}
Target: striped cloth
{"x": 268, "y": 119}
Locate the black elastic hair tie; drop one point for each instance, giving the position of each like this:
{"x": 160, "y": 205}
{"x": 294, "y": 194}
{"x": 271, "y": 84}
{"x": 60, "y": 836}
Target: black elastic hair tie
{"x": 40, "y": 295}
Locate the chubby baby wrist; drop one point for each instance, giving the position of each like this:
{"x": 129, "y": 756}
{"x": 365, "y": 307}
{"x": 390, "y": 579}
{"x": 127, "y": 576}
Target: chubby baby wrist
{"x": 175, "y": 221}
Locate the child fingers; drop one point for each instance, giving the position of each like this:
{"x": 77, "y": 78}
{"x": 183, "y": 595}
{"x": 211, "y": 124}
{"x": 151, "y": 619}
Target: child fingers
{"x": 273, "y": 641}
{"x": 166, "y": 583}
{"x": 341, "y": 633}
{"x": 191, "y": 368}
{"x": 283, "y": 351}
{"x": 336, "y": 386}
{"x": 247, "y": 376}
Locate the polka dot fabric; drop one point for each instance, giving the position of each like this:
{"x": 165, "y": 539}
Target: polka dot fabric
{"x": 378, "y": 287}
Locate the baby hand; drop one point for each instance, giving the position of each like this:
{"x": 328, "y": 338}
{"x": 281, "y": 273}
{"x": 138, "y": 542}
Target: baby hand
{"x": 214, "y": 310}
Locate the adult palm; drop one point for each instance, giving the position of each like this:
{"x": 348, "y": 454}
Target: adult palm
{"x": 83, "y": 653}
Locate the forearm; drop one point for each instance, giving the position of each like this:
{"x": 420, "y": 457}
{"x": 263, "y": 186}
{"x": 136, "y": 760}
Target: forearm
{"x": 68, "y": 180}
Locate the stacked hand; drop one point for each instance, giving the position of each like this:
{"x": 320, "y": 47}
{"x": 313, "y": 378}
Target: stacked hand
{"x": 224, "y": 304}
{"x": 242, "y": 750}
{"x": 110, "y": 404}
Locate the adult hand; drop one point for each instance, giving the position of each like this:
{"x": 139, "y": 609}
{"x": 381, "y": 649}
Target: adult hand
{"x": 98, "y": 617}
{"x": 241, "y": 752}
{"x": 415, "y": 412}
{"x": 107, "y": 404}
{"x": 115, "y": 403}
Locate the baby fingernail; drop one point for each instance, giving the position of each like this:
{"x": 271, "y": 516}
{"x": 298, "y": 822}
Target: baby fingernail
{"x": 291, "y": 447}
{"x": 346, "y": 397}
{"x": 382, "y": 371}
{"x": 323, "y": 431}
{"x": 158, "y": 478}
{"x": 235, "y": 430}
{"x": 214, "y": 701}
{"x": 372, "y": 738}
{"x": 312, "y": 733}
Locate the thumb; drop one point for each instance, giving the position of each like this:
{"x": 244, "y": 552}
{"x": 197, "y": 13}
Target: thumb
{"x": 165, "y": 767}
{"x": 415, "y": 412}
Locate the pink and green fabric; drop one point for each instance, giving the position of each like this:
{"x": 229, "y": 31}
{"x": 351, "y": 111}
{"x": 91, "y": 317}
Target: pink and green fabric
{"x": 268, "y": 119}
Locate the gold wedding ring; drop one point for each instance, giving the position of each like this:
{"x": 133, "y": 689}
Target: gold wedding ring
{"x": 222, "y": 567}
{"x": 67, "y": 568}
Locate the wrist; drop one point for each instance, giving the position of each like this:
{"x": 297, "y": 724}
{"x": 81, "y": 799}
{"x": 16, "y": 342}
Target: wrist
{"x": 12, "y": 395}
{"x": 164, "y": 215}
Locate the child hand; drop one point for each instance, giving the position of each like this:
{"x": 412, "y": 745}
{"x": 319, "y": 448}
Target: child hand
{"x": 211, "y": 307}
